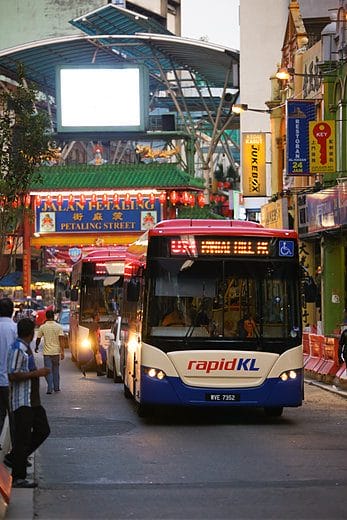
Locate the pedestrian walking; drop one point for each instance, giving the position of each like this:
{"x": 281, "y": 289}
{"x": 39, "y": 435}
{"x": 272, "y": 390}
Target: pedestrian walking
{"x": 343, "y": 347}
{"x": 8, "y": 334}
{"x": 53, "y": 349}
{"x": 31, "y": 426}
{"x": 94, "y": 338}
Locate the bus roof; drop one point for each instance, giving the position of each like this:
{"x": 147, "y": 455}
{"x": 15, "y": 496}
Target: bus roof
{"x": 105, "y": 253}
{"x": 217, "y": 227}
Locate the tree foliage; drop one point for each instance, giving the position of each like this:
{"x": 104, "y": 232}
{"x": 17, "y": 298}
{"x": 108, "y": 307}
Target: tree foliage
{"x": 24, "y": 143}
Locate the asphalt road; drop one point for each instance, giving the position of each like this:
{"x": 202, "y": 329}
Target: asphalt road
{"x": 102, "y": 461}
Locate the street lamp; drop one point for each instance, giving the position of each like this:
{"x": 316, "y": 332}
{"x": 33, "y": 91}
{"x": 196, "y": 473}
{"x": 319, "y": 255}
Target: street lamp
{"x": 238, "y": 108}
{"x": 285, "y": 73}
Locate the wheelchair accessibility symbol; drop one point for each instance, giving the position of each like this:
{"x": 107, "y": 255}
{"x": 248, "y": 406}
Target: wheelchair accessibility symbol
{"x": 286, "y": 248}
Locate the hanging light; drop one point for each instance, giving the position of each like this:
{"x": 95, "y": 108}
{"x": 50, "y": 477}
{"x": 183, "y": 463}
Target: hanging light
{"x": 174, "y": 197}
{"x": 71, "y": 200}
{"x": 162, "y": 197}
{"x": 27, "y": 200}
{"x": 37, "y": 201}
{"x": 201, "y": 200}
{"x": 115, "y": 199}
{"x": 185, "y": 198}
{"x": 139, "y": 198}
{"x": 152, "y": 198}
{"x": 60, "y": 200}
{"x": 127, "y": 199}
{"x": 93, "y": 199}
{"x": 49, "y": 201}
{"x": 191, "y": 200}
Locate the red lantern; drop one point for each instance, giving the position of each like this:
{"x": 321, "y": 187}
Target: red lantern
{"x": 185, "y": 198}
{"x": 82, "y": 199}
{"x": 152, "y": 198}
{"x": 27, "y": 201}
{"x": 60, "y": 200}
{"x": 115, "y": 199}
{"x": 71, "y": 200}
{"x": 38, "y": 201}
{"x": 227, "y": 185}
{"x": 220, "y": 184}
{"x": 93, "y": 200}
{"x": 162, "y": 197}
{"x": 191, "y": 199}
{"x": 174, "y": 197}
{"x": 139, "y": 198}
{"x": 49, "y": 201}
{"x": 105, "y": 199}
{"x": 127, "y": 199}
{"x": 201, "y": 200}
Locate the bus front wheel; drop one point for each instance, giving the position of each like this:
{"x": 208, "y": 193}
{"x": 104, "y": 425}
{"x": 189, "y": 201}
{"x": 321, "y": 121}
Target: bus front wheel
{"x": 274, "y": 411}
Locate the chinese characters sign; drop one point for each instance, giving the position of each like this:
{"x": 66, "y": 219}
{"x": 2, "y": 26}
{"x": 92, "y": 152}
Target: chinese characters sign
{"x": 322, "y": 147}
{"x": 96, "y": 216}
{"x": 299, "y": 114}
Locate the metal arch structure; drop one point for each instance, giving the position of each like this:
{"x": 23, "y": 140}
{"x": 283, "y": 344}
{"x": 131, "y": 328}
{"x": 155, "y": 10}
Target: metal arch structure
{"x": 190, "y": 77}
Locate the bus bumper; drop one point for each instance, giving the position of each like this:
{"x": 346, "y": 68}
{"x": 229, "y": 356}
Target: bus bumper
{"x": 172, "y": 391}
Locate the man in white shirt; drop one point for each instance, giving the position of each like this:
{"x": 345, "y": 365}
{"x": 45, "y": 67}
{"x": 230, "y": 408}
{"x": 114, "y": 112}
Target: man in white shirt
{"x": 53, "y": 350}
{"x": 8, "y": 335}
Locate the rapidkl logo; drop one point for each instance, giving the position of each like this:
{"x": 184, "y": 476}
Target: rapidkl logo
{"x": 234, "y": 364}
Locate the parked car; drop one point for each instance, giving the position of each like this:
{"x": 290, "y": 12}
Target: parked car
{"x": 115, "y": 350}
{"x": 64, "y": 320}
{"x": 40, "y": 315}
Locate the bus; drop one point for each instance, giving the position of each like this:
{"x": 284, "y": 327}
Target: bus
{"x": 96, "y": 289}
{"x": 236, "y": 340}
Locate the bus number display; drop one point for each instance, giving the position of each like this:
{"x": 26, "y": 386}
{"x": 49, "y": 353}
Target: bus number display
{"x": 234, "y": 247}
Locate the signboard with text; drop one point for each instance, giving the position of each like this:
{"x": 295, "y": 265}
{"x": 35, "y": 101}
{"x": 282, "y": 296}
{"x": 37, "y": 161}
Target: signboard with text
{"x": 72, "y": 216}
{"x": 254, "y": 164}
{"x": 322, "y": 147}
{"x": 299, "y": 115}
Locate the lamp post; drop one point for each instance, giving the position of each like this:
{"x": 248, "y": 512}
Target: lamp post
{"x": 238, "y": 108}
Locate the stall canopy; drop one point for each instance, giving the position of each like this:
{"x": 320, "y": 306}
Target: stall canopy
{"x": 15, "y": 279}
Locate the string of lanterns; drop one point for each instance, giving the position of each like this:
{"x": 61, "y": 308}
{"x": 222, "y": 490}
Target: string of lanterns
{"x": 175, "y": 197}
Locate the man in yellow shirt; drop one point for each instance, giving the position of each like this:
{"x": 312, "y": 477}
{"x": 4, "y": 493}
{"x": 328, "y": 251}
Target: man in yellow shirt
{"x": 53, "y": 350}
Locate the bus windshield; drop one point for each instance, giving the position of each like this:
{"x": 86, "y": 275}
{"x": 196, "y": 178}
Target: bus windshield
{"x": 222, "y": 298}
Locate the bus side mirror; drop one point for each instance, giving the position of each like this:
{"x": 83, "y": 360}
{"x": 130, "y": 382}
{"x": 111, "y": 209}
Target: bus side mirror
{"x": 74, "y": 295}
{"x": 133, "y": 290}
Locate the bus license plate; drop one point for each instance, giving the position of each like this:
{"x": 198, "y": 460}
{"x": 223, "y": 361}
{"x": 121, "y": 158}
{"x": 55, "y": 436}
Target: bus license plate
{"x": 222, "y": 397}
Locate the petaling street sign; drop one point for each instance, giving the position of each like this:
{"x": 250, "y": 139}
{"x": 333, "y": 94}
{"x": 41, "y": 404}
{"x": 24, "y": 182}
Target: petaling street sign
{"x": 95, "y": 214}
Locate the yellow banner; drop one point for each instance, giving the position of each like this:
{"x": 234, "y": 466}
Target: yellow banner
{"x": 253, "y": 164}
{"x": 322, "y": 146}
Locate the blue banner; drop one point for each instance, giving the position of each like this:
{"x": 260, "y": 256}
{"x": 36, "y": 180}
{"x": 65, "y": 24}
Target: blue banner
{"x": 299, "y": 114}
{"x": 73, "y": 216}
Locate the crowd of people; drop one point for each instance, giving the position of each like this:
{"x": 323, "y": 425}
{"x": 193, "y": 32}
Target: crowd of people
{"x": 20, "y": 384}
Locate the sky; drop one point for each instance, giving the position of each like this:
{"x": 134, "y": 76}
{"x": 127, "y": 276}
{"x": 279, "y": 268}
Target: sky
{"x": 218, "y": 20}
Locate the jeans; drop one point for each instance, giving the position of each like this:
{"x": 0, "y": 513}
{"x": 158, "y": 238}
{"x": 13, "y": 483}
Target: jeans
{"x": 53, "y": 378}
{"x": 31, "y": 429}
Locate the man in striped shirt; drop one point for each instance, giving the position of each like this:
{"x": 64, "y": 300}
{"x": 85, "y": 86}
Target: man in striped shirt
{"x": 30, "y": 419}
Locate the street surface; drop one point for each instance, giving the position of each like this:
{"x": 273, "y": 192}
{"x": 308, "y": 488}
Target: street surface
{"x": 102, "y": 461}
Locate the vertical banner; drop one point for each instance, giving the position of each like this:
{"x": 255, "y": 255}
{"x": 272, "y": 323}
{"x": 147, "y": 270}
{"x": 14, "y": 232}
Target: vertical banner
{"x": 299, "y": 115}
{"x": 254, "y": 164}
{"x": 322, "y": 147}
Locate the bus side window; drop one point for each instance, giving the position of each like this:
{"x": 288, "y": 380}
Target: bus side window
{"x": 74, "y": 295}
{"x": 133, "y": 290}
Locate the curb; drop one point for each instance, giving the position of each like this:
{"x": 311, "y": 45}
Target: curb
{"x": 329, "y": 388}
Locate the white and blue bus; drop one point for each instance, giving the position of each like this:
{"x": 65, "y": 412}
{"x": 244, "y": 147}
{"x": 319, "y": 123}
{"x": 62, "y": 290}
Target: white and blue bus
{"x": 214, "y": 315}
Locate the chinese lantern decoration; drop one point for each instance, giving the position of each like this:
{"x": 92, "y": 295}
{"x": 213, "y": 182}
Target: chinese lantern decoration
{"x": 173, "y": 197}
{"x": 139, "y": 198}
{"x": 93, "y": 199}
{"x": 27, "y": 201}
{"x": 201, "y": 200}
{"x": 48, "y": 201}
{"x": 185, "y": 198}
{"x": 115, "y": 199}
{"x": 191, "y": 200}
{"x": 9, "y": 242}
{"x": 60, "y": 200}
{"x": 127, "y": 199}
{"x": 15, "y": 203}
{"x": 152, "y": 198}
{"x": 71, "y": 200}
{"x": 37, "y": 201}
{"x": 220, "y": 185}
{"x": 105, "y": 199}
{"x": 82, "y": 199}
{"x": 227, "y": 185}
{"x": 162, "y": 197}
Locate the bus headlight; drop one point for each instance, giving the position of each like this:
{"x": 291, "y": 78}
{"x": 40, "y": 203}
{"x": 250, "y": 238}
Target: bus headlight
{"x": 85, "y": 344}
{"x": 155, "y": 373}
{"x": 290, "y": 374}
